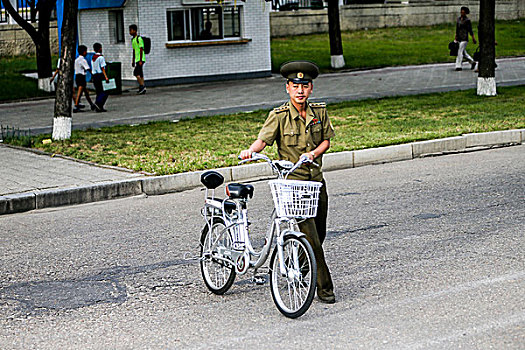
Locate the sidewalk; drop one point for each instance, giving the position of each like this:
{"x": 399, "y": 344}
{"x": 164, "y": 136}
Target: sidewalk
{"x": 30, "y": 180}
{"x": 22, "y": 171}
{"x": 175, "y": 102}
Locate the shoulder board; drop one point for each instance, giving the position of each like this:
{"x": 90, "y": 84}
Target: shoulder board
{"x": 281, "y": 108}
{"x": 318, "y": 104}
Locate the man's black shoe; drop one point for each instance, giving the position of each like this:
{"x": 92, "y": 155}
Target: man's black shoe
{"x": 328, "y": 299}
{"x": 459, "y": 69}
{"x": 77, "y": 110}
{"x": 80, "y": 105}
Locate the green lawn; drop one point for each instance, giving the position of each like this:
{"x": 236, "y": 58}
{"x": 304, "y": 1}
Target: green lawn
{"x": 362, "y": 49}
{"x": 13, "y": 85}
{"x": 210, "y": 142}
{"x": 392, "y": 46}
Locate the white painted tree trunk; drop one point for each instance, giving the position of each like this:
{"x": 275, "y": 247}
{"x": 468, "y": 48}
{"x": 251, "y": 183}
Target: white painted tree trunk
{"x": 61, "y": 128}
{"x": 45, "y": 84}
{"x": 486, "y": 86}
{"x": 337, "y": 61}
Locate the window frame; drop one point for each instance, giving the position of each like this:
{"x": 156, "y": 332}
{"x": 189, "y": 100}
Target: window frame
{"x": 189, "y": 28}
{"x": 117, "y": 17}
{"x": 186, "y": 25}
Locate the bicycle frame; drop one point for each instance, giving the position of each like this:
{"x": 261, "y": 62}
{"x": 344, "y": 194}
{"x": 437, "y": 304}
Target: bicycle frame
{"x": 214, "y": 208}
{"x": 237, "y": 226}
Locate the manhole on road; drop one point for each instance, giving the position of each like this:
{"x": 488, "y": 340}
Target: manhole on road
{"x": 61, "y": 295}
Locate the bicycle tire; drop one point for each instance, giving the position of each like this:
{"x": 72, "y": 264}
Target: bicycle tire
{"x": 300, "y": 282}
{"x": 223, "y": 277}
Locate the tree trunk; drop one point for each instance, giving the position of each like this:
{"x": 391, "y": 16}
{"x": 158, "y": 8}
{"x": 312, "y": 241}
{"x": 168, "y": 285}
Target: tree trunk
{"x": 43, "y": 50}
{"x": 40, "y": 38}
{"x": 62, "y": 117}
{"x": 487, "y": 40}
{"x": 334, "y": 31}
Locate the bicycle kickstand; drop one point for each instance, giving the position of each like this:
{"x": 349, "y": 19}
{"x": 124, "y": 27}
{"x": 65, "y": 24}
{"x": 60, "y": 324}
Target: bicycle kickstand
{"x": 259, "y": 278}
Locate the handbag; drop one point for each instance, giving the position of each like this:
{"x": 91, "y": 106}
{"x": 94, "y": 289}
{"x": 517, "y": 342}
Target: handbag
{"x": 453, "y": 46}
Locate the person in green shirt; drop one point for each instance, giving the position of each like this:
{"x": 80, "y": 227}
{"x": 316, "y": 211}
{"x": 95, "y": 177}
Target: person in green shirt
{"x": 139, "y": 57}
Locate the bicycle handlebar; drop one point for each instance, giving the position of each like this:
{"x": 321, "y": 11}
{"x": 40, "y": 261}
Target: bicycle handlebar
{"x": 258, "y": 156}
{"x": 255, "y": 156}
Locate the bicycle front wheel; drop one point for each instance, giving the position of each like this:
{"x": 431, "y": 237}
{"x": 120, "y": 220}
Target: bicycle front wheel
{"x": 293, "y": 288}
{"x": 218, "y": 273}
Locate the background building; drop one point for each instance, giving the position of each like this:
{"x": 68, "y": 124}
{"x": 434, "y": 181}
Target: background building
{"x": 236, "y": 46}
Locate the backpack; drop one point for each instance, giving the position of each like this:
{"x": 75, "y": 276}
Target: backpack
{"x": 147, "y": 44}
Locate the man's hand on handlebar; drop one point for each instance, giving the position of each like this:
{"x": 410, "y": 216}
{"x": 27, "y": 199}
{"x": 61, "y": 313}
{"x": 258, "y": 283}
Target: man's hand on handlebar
{"x": 310, "y": 156}
{"x": 245, "y": 154}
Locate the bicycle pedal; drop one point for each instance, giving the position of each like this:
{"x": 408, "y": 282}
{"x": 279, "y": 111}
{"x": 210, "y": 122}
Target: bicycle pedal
{"x": 260, "y": 279}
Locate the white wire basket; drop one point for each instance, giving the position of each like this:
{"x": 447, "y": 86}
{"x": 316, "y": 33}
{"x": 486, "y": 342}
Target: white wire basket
{"x": 298, "y": 199}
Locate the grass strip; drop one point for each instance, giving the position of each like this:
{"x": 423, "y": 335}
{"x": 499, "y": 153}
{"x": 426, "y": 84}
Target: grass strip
{"x": 388, "y": 47}
{"x": 15, "y": 86}
{"x": 211, "y": 142}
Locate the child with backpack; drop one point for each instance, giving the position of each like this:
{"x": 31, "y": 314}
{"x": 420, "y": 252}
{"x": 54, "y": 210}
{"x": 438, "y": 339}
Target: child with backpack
{"x": 139, "y": 57}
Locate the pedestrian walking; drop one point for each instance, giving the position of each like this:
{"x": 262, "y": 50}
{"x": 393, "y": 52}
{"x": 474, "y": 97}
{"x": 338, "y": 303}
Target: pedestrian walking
{"x": 463, "y": 29}
{"x": 301, "y": 128}
{"x": 139, "y": 57}
{"x": 99, "y": 75}
{"x": 81, "y": 68}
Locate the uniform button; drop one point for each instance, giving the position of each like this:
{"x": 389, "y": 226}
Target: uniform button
{"x": 308, "y": 144}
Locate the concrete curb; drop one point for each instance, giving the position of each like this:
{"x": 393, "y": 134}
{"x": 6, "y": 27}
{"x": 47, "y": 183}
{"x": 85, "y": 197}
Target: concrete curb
{"x": 156, "y": 185}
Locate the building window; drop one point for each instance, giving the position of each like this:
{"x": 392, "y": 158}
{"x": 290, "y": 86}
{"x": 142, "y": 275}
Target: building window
{"x": 116, "y": 21}
{"x": 232, "y": 22}
{"x": 204, "y": 23}
{"x": 178, "y": 25}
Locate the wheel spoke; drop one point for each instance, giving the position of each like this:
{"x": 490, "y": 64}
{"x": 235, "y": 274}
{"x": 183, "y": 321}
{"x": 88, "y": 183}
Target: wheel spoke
{"x": 293, "y": 292}
{"x": 217, "y": 273}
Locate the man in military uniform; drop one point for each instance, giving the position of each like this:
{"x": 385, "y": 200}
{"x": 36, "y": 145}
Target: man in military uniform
{"x": 302, "y": 128}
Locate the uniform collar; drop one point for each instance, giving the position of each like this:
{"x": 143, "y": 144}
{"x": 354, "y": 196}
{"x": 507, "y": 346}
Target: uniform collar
{"x": 295, "y": 113}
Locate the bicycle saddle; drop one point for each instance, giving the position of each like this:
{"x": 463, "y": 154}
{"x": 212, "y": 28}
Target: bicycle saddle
{"x": 239, "y": 191}
{"x": 212, "y": 179}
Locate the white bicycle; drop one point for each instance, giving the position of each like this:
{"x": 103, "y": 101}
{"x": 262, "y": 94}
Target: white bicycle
{"x": 226, "y": 249}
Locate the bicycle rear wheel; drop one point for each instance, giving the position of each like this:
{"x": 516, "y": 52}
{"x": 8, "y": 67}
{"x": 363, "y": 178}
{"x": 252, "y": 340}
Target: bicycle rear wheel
{"x": 218, "y": 274}
{"x": 294, "y": 291}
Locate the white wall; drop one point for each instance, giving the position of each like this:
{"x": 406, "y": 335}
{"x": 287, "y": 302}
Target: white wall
{"x": 181, "y": 62}
{"x": 94, "y": 27}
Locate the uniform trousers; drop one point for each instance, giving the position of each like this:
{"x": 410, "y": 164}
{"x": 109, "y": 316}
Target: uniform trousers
{"x": 315, "y": 230}
{"x": 102, "y": 95}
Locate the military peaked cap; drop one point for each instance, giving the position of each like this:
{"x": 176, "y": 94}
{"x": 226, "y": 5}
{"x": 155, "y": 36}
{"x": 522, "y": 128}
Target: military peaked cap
{"x": 300, "y": 72}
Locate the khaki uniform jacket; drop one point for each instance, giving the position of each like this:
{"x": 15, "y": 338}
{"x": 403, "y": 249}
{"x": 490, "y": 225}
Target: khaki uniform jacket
{"x": 295, "y": 136}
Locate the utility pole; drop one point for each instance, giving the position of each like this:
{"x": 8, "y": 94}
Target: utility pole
{"x": 334, "y": 31}
{"x": 64, "y": 93}
{"x": 487, "y": 42}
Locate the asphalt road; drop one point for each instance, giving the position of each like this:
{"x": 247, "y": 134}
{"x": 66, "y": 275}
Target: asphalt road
{"x": 425, "y": 254}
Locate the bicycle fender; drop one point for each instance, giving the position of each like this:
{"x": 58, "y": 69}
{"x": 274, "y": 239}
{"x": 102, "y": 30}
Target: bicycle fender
{"x": 290, "y": 233}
